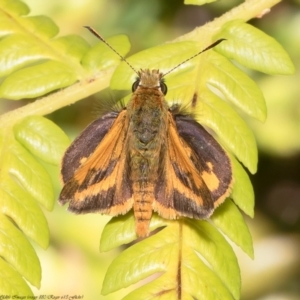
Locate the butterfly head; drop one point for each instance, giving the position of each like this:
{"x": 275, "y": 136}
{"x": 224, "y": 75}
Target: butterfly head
{"x": 150, "y": 79}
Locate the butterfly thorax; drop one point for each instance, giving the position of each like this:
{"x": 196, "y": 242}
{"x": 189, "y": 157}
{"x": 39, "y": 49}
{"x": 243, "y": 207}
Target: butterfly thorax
{"x": 147, "y": 113}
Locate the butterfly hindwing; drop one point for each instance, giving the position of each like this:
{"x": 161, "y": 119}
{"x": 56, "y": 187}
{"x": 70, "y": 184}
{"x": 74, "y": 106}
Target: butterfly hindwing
{"x": 101, "y": 182}
{"x": 207, "y": 156}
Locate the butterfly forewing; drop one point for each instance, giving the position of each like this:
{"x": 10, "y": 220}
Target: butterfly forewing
{"x": 85, "y": 144}
{"x": 181, "y": 191}
{"x": 94, "y": 186}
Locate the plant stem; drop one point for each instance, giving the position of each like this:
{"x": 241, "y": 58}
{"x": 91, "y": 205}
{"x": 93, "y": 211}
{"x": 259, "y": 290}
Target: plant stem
{"x": 64, "y": 97}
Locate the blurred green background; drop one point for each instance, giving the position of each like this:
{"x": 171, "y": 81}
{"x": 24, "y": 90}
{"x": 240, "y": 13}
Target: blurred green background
{"x": 73, "y": 265}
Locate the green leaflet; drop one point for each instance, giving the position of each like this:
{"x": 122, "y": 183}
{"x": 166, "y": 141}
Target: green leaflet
{"x": 37, "y": 80}
{"x": 13, "y": 49}
{"x": 73, "y": 46}
{"x": 235, "y": 85}
{"x": 14, "y": 7}
{"x": 30, "y": 174}
{"x": 121, "y": 230}
{"x": 254, "y": 49}
{"x": 102, "y": 57}
{"x": 42, "y": 138}
{"x": 47, "y": 28}
{"x": 18, "y": 252}
{"x": 21, "y": 207}
{"x": 230, "y": 221}
{"x": 13, "y": 283}
{"x": 242, "y": 192}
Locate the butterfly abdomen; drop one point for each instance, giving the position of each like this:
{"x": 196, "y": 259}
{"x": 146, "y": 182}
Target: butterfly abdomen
{"x": 144, "y": 168}
{"x": 142, "y": 207}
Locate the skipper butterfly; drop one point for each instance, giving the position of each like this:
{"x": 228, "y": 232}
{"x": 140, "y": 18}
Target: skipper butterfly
{"x": 149, "y": 157}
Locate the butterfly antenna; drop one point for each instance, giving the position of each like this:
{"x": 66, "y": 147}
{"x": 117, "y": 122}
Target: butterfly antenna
{"x": 94, "y": 32}
{"x": 207, "y": 48}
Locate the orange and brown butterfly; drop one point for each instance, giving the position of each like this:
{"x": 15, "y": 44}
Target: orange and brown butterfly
{"x": 147, "y": 157}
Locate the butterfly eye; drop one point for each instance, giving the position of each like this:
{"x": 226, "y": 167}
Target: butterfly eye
{"x": 135, "y": 85}
{"x": 163, "y": 87}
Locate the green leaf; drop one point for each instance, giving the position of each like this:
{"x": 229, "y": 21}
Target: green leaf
{"x": 42, "y": 138}
{"x": 18, "y": 252}
{"x": 173, "y": 251}
{"x": 235, "y": 85}
{"x": 15, "y": 7}
{"x": 11, "y": 282}
{"x": 230, "y": 221}
{"x": 23, "y": 209}
{"x": 37, "y": 80}
{"x": 12, "y": 52}
{"x": 101, "y": 56}
{"x": 242, "y": 193}
{"x": 30, "y": 174}
{"x": 47, "y": 28}
{"x": 254, "y": 49}
{"x": 72, "y": 45}
{"x": 121, "y": 230}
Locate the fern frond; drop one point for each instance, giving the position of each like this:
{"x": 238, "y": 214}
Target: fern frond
{"x": 192, "y": 257}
